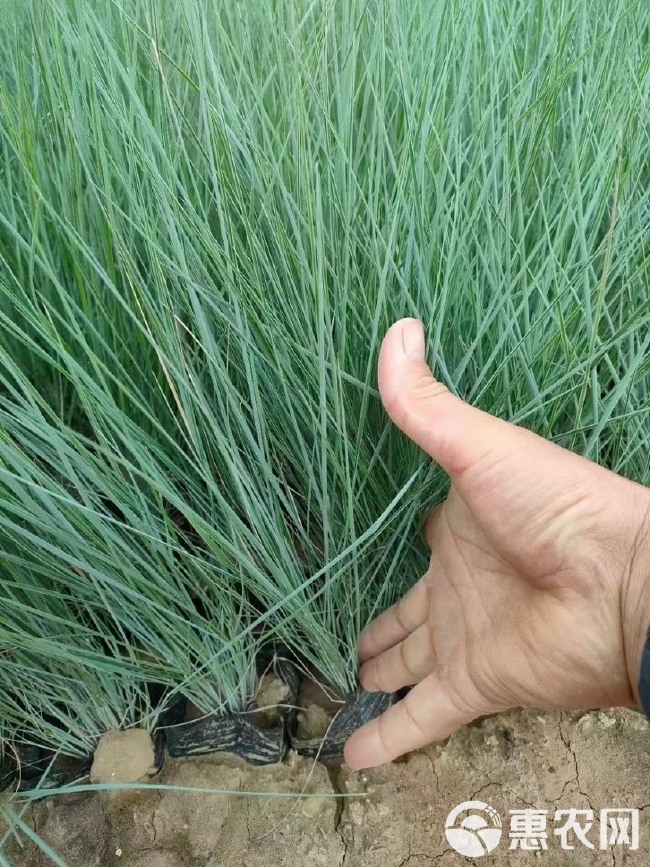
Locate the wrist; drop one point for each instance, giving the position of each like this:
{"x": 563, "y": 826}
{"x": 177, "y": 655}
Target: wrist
{"x": 635, "y": 596}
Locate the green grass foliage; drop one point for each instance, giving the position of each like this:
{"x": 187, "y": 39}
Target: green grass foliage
{"x": 210, "y": 212}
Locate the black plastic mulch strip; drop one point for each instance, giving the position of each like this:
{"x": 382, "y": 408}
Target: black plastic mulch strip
{"x": 238, "y": 733}
{"x": 38, "y": 767}
{"x": 232, "y": 733}
{"x": 7, "y": 776}
{"x": 158, "y": 739}
{"x": 360, "y": 708}
{"x": 172, "y": 714}
{"x": 174, "y": 711}
{"x": 57, "y": 779}
{"x": 25, "y": 772}
{"x": 172, "y": 706}
{"x": 32, "y": 762}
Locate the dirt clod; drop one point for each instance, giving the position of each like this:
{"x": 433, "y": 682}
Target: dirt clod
{"x": 123, "y": 757}
{"x": 270, "y": 695}
{"x": 318, "y": 704}
{"x": 313, "y": 722}
{"x": 271, "y": 692}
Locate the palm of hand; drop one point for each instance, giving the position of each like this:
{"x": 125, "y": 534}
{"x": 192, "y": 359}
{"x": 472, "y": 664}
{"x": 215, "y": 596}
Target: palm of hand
{"x": 515, "y": 619}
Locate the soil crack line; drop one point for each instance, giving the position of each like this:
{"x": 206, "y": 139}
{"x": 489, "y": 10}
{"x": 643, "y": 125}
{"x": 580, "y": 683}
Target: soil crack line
{"x": 433, "y": 771}
{"x": 567, "y": 744}
{"x": 491, "y": 782}
{"x": 333, "y": 774}
{"x": 152, "y": 822}
{"x": 153, "y": 818}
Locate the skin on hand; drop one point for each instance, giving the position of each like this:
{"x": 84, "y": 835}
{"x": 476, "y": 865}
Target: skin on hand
{"x": 536, "y": 591}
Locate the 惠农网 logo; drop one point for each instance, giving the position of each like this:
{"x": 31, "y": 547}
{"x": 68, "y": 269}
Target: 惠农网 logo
{"x": 473, "y": 829}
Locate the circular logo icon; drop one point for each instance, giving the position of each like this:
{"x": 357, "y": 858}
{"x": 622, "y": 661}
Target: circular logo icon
{"x": 473, "y": 829}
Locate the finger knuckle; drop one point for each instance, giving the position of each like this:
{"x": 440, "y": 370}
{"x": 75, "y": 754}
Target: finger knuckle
{"x": 412, "y": 718}
{"x": 405, "y": 660}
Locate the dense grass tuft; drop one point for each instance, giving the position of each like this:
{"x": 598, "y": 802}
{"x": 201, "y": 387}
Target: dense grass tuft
{"x": 209, "y": 215}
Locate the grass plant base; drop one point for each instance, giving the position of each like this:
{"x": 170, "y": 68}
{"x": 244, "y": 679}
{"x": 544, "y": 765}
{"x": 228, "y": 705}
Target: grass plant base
{"x": 360, "y": 708}
{"x": 251, "y": 735}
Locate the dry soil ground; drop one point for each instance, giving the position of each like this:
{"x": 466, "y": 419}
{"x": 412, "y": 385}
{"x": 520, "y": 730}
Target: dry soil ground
{"x": 514, "y": 761}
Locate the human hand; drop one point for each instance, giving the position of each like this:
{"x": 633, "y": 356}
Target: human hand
{"x": 536, "y": 590}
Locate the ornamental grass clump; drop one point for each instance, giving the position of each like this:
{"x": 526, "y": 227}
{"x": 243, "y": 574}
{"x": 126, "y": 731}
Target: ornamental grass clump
{"x": 209, "y": 215}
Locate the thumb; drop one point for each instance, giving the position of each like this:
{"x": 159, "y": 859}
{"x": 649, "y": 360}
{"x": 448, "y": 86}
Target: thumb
{"x": 453, "y": 433}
